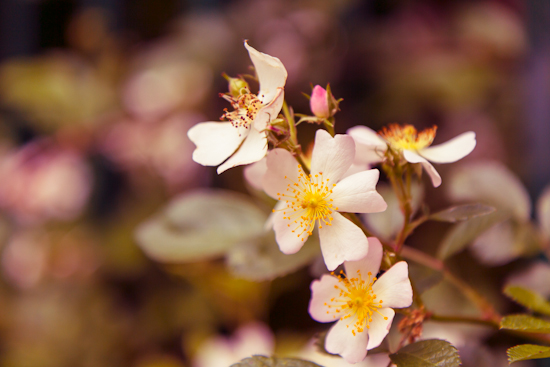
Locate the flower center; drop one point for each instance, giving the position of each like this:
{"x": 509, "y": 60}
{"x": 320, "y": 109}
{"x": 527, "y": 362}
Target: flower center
{"x": 406, "y": 137}
{"x": 245, "y": 107}
{"x": 356, "y": 301}
{"x": 307, "y": 202}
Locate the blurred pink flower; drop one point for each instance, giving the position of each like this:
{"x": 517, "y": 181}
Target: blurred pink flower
{"x": 162, "y": 145}
{"x": 248, "y": 340}
{"x": 41, "y": 181}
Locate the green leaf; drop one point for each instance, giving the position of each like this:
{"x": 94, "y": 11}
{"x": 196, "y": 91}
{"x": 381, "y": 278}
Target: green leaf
{"x": 524, "y": 352}
{"x": 528, "y": 298}
{"x": 525, "y": 323}
{"x": 427, "y": 353}
{"x": 462, "y": 212}
{"x": 464, "y": 233}
{"x": 261, "y": 361}
{"x": 261, "y": 259}
{"x": 423, "y": 277}
{"x": 199, "y": 225}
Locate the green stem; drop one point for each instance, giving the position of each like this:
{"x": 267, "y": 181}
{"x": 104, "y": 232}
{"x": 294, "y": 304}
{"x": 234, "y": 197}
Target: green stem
{"x": 291, "y": 123}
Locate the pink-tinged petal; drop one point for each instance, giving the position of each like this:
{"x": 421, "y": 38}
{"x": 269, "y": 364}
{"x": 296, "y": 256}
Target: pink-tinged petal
{"x": 280, "y": 164}
{"x": 254, "y": 173}
{"x": 271, "y": 73}
{"x": 357, "y": 193}
{"x": 215, "y": 141}
{"x": 268, "y": 226}
{"x": 394, "y": 287}
{"x": 332, "y": 156}
{"x": 342, "y": 241}
{"x": 412, "y": 157}
{"x": 543, "y": 212}
{"x": 370, "y": 263}
{"x": 452, "y": 150}
{"x": 340, "y": 340}
{"x": 270, "y": 111}
{"x": 321, "y": 292}
{"x": 252, "y": 150}
{"x": 289, "y": 238}
{"x": 379, "y": 327}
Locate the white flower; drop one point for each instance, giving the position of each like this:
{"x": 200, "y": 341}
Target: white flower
{"x": 360, "y": 304}
{"x": 317, "y": 198}
{"x": 242, "y": 138}
{"x": 415, "y": 146}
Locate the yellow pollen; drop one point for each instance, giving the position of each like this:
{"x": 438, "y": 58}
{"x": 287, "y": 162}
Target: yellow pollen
{"x": 356, "y": 301}
{"x": 406, "y": 137}
{"x": 307, "y": 203}
{"x": 246, "y": 107}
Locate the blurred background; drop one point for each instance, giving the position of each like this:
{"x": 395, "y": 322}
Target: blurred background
{"x": 96, "y": 97}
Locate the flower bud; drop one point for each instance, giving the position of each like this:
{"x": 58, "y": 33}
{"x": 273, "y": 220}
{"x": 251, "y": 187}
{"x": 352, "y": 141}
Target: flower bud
{"x": 319, "y": 102}
{"x": 237, "y": 86}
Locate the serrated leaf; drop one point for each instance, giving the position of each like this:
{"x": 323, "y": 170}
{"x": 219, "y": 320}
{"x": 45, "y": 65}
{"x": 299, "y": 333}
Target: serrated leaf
{"x": 462, "y": 234}
{"x": 462, "y": 212}
{"x": 528, "y": 298}
{"x": 261, "y": 361}
{"x": 261, "y": 259}
{"x": 525, "y": 323}
{"x": 525, "y": 352}
{"x": 427, "y": 353}
{"x": 200, "y": 225}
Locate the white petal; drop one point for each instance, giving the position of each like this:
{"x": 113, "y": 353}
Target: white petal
{"x": 357, "y": 193}
{"x": 413, "y": 157}
{"x": 543, "y": 212}
{"x": 379, "y": 327}
{"x": 452, "y": 150}
{"x": 367, "y": 136}
{"x": 280, "y": 164}
{"x": 492, "y": 183}
{"x": 270, "y": 111}
{"x": 289, "y": 242}
{"x": 332, "y": 156}
{"x": 370, "y": 263}
{"x": 215, "y": 141}
{"x": 342, "y": 241}
{"x": 254, "y": 173}
{"x": 252, "y": 150}
{"x": 271, "y": 73}
{"x": 340, "y": 340}
{"x": 394, "y": 287}
{"x": 321, "y": 292}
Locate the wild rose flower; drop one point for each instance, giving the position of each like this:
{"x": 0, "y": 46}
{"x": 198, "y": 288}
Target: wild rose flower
{"x": 242, "y": 138}
{"x": 361, "y": 304}
{"x": 317, "y": 199}
{"x": 414, "y": 146}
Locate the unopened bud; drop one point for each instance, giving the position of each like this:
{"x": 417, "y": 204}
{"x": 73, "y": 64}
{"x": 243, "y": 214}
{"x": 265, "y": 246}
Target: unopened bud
{"x": 322, "y": 102}
{"x": 237, "y": 86}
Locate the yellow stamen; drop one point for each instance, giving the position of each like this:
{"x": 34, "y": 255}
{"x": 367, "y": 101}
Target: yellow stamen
{"x": 406, "y": 137}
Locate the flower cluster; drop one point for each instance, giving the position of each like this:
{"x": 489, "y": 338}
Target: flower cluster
{"x": 324, "y": 192}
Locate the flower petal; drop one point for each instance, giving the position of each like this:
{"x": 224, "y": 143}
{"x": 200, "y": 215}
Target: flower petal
{"x": 254, "y": 173}
{"x": 215, "y": 141}
{"x": 252, "y": 150}
{"x": 342, "y": 241}
{"x": 394, "y": 286}
{"x": 413, "y": 157}
{"x": 321, "y": 292}
{"x": 370, "y": 263}
{"x": 543, "y": 212}
{"x": 271, "y": 73}
{"x": 367, "y": 136}
{"x": 289, "y": 239}
{"x": 357, "y": 193}
{"x": 340, "y": 340}
{"x": 379, "y": 327}
{"x": 270, "y": 111}
{"x": 280, "y": 164}
{"x": 452, "y": 150}
{"x": 332, "y": 156}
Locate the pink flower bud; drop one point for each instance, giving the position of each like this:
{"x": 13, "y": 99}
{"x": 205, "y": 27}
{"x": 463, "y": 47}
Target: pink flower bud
{"x": 319, "y": 102}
